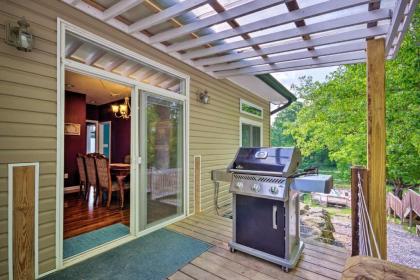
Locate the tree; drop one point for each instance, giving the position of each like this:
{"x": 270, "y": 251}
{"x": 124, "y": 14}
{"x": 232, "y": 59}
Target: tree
{"x": 285, "y": 117}
{"x": 333, "y": 115}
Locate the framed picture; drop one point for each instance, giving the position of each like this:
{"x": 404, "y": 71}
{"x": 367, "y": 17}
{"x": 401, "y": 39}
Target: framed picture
{"x": 71, "y": 129}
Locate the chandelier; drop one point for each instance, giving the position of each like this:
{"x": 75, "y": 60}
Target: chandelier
{"x": 122, "y": 110}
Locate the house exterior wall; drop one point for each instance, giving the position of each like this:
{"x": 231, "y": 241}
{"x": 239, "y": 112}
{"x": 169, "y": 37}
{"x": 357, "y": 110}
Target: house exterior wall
{"x": 28, "y": 114}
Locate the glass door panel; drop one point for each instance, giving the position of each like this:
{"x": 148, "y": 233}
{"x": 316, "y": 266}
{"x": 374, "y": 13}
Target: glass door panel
{"x": 163, "y": 158}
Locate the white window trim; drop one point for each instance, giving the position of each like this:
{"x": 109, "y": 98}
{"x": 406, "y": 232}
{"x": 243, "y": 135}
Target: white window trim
{"x": 243, "y": 120}
{"x": 243, "y": 101}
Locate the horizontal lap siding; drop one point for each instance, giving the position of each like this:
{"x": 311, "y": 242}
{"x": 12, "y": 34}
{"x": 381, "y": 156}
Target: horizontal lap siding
{"x": 28, "y": 113}
{"x": 28, "y": 122}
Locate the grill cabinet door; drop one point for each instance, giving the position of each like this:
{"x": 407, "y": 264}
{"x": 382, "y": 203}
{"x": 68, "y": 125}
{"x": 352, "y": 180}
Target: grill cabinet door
{"x": 254, "y": 224}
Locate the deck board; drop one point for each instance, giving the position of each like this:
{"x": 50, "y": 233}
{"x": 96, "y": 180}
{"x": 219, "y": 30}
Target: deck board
{"x": 319, "y": 261}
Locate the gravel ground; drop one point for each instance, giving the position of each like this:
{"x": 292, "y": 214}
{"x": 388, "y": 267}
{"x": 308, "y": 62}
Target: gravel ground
{"x": 403, "y": 247}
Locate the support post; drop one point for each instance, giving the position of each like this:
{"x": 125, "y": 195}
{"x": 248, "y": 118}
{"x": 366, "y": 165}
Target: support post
{"x": 376, "y": 140}
{"x": 355, "y": 171}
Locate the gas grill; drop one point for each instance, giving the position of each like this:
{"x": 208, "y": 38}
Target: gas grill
{"x": 265, "y": 186}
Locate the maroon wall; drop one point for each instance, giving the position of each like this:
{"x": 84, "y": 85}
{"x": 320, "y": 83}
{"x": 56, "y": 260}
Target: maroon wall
{"x": 75, "y": 112}
{"x": 120, "y": 133}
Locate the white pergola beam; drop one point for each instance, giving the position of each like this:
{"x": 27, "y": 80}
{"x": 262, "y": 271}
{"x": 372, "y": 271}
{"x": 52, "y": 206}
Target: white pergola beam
{"x": 409, "y": 14}
{"x": 72, "y": 47}
{"x": 396, "y": 22}
{"x": 165, "y": 15}
{"x": 339, "y": 63}
{"x": 360, "y": 55}
{"x": 233, "y": 13}
{"x": 328, "y": 25}
{"x": 397, "y": 18}
{"x": 94, "y": 56}
{"x": 321, "y": 41}
{"x": 289, "y": 17}
{"x": 119, "y": 8}
{"x": 342, "y": 48}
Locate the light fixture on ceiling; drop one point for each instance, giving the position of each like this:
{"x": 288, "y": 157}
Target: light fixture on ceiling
{"x": 122, "y": 110}
{"x": 19, "y": 36}
{"x": 203, "y": 97}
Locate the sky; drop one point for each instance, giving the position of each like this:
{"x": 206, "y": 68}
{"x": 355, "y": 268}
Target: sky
{"x": 289, "y": 78}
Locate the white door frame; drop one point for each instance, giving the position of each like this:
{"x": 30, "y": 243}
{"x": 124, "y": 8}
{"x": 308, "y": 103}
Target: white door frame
{"x": 62, "y": 65}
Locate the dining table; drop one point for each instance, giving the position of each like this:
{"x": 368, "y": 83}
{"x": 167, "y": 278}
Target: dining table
{"x": 121, "y": 171}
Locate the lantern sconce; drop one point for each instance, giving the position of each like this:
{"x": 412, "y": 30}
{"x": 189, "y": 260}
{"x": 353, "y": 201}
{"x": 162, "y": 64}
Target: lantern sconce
{"x": 19, "y": 35}
{"x": 203, "y": 97}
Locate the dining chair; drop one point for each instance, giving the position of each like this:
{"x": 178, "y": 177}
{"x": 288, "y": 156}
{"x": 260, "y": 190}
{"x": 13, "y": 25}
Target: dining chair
{"x": 92, "y": 177}
{"x": 81, "y": 166}
{"x": 105, "y": 182}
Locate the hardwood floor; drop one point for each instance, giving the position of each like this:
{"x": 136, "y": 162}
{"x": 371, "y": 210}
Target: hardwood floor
{"x": 319, "y": 261}
{"x": 82, "y": 216}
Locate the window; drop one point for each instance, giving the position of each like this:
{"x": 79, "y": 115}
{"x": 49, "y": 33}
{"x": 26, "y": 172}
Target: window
{"x": 250, "y": 133}
{"x": 251, "y": 109}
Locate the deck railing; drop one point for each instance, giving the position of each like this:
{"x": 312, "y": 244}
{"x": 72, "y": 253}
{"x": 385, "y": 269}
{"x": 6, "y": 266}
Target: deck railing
{"x": 364, "y": 241}
{"x": 405, "y": 207}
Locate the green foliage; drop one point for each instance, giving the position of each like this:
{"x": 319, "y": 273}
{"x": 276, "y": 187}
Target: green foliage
{"x": 331, "y": 116}
{"x": 279, "y": 137}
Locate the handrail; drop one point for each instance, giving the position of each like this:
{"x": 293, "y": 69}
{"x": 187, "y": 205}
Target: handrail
{"x": 364, "y": 241}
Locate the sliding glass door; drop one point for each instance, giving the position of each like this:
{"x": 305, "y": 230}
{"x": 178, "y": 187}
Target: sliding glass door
{"x": 162, "y": 142}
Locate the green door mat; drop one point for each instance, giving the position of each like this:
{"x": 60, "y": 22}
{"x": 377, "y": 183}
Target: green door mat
{"x": 154, "y": 256}
{"x": 81, "y": 243}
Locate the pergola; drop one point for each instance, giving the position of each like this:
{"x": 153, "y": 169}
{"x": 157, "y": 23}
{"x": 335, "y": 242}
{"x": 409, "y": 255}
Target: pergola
{"x": 236, "y": 38}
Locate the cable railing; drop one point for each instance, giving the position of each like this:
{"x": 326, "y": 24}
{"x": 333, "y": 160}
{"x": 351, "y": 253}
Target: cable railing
{"x": 364, "y": 241}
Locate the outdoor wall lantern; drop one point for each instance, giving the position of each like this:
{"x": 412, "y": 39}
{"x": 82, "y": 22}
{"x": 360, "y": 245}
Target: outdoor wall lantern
{"x": 204, "y": 97}
{"x": 122, "y": 110}
{"x": 19, "y": 36}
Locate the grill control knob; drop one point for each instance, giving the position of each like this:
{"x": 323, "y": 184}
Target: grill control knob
{"x": 274, "y": 190}
{"x": 240, "y": 185}
{"x": 256, "y": 187}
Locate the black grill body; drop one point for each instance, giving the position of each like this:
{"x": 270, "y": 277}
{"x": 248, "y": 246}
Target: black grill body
{"x": 265, "y": 208}
{"x": 254, "y": 228}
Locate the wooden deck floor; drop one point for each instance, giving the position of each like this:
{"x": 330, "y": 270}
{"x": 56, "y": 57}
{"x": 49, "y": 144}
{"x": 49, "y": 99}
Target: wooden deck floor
{"x": 319, "y": 261}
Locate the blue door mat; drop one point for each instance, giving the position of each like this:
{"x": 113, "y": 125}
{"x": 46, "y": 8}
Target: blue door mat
{"x": 86, "y": 241}
{"x": 152, "y": 257}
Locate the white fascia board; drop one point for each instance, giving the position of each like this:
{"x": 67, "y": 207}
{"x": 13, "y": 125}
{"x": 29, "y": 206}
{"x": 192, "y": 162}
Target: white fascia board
{"x": 259, "y": 88}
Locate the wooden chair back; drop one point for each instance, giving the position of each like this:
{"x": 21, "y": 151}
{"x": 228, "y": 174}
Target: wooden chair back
{"x": 104, "y": 173}
{"x": 91, "y": 170}
{"x": 81, "y": 166}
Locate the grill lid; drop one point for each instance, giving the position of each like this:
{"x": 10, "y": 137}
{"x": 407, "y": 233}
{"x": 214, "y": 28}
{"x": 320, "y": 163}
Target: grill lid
{"x": 278, "y": 161}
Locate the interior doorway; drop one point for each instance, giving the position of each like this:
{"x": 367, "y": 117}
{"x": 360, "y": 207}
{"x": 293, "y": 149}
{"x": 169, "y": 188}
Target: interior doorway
{"x": 96, "y": 163}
